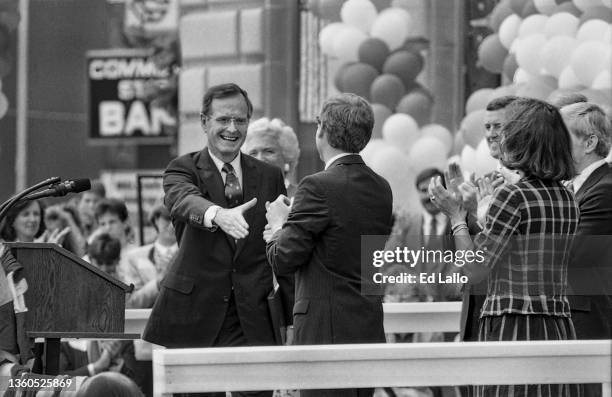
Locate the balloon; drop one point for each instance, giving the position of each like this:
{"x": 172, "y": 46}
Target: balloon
{"x": 393, "y": 165}
{"x": 387, "y": 89}
{"x": 357, "y": 78}
{"x": 510, "y": 66}
{"x": 418, "y": 104}
{"x": 381, "y": 4}
{"x": 608, "y": 36}
{"x": 400, "y": 130}
{"x": 427, "y": 152}
{"x": 501, "y": 11}
{"x": 491, "y": 54}
{"x": 404, "y": 64}
{"x": 458, "y": 142}
{"x": 478, "y": 100}
{"x": 529, "y": 9}
{"x": 346, "y": 43}
{"x": 503, "y": 90}
{"x": 372, "y": 148}
{"x": 602, "y": 81}
{"x": 607, "y": 3}
{"x": 484, "y": 162}
{"x": 327, "y": 9}
{"x": 594, "y": 29}
{"x": 568, "y": 79}
{"x": 374, "y": 52}
{"x": 392, "y": 26}
{"x": 584, "y": 5}
{"x": 598, "y": 97}
{"x": 521, "y": 76}
{"x": 599, "y": 13}
{"x": 469, "y": 162}
{"x": 4, "y": 104}
{"x": 439, "y": 132}
{"x": 529, "y": 53}
{"x": 561, "y": 24}
{"x": 381, "y": 114}
{"x": 508, "y": 30}
{"x": 535, "y": 87}
{"x": 473, "y": 129}
{"x": 533, "y": 24}
{"x": 568, "y": 7}
{"x": 546, "y": 7}
{"x": 557, "y": 54}
{"x": 338, "y": 78}
{"x": 589, "y": 59}
{"x": 327, "y": 36}
{"x": 359, "y": 13}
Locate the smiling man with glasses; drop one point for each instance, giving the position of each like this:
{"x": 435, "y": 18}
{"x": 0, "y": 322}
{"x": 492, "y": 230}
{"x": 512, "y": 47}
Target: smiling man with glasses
{"x": 215, "y": 292}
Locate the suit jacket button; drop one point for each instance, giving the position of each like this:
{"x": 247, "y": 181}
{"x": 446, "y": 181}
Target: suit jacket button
{"x": 226, "y": 298}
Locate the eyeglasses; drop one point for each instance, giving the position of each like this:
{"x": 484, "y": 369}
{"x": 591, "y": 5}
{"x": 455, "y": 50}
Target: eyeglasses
{"x": 239, "y": 122}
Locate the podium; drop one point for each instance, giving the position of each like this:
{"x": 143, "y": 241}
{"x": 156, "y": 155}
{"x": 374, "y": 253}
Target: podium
{"x": 68, "y": 298}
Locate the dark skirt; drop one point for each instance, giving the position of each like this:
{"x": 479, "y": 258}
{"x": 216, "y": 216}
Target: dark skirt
{"x": 522, "y": 327}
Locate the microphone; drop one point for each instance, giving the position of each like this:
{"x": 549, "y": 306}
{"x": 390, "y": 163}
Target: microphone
{"x": 62, "y": 189}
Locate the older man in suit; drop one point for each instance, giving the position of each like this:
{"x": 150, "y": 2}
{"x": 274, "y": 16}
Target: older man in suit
{"x": 320, "y": 239}
{"x": 215, "y": 292}
{"x": 590, "y": 269}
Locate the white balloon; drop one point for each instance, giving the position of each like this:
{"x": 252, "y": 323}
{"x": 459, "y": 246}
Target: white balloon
{"x": 484, "y": 162}
{"x": 529, "y": 53}
{"x": 427, "y": 152}
{"x": 533, "y": 24}
{"x": 557, "y": 54}
{"x": 593, "y": 29}
{"x": 4, "y": 104}
{"x": 521, "y": 76}
{"x": 401, "y": 131}
{"x": 584, "y": 5}
{"x": 603, "y": 81}
{"x": 561, "y": 24}
{"x": 439, "y": 132}
{"x": 468, "y": 159}
{"x": 372, "y": 148}
{"x": 607, "y": 3}
{"x": 545, "y": 6}
{"x": 589, "y": 59}
{"x": 347, "y": 42}
{"x": 359, "y": 13}
{"x": 327, "y": 35}
{"x": 508, "y": 30}
{"x": 392, "y": 26}
{"x": 607, "y": 38}
{"x": 568, "y": 79}
{"x": 393, "y": 165}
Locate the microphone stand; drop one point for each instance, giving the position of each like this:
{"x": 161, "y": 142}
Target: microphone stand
{"x": 4, "y": 207}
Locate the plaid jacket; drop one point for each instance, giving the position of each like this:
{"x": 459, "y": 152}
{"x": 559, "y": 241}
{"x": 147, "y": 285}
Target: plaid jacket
{"x": 526, "y": 243}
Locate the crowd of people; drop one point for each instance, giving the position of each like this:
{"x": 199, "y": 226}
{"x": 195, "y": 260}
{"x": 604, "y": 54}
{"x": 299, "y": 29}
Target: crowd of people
{"x": 235, "y": 229}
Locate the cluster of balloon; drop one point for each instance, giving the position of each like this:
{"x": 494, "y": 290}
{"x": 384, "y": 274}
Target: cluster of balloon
{"x": 9, "y": 20}
{"x": 381, "y": 61}
{"x": 542, "y": 48}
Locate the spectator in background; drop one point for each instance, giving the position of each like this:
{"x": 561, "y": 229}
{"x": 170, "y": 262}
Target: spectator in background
{"x": 85, "y": 204}
{"x": 112, "y": 218}
{"x": 58, "y": 217}
{"x": 274, "y": 142}
{"x": 109, "y": 384}
{"x": 79, "y": 357}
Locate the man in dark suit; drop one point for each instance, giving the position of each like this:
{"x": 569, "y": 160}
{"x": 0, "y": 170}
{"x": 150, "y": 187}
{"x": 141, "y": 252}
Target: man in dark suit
{"x": 589, "y": 295}
{"x": 215, "y": 292}
{"x": 320, "y": 239}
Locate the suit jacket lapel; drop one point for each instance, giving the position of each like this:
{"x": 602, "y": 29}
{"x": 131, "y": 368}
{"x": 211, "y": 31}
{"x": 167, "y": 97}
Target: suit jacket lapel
{"x": 250, "y": 179}
{"x": 591, "y": 180}
{"x": 214, "y": 183}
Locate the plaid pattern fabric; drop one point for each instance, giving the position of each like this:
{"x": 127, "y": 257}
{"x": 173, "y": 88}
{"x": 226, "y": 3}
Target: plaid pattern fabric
{"x": 526, "y": 243}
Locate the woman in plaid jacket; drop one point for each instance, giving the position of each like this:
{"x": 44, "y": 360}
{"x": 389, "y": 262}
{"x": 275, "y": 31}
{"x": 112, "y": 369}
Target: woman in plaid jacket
{"x": 526, "y": 239}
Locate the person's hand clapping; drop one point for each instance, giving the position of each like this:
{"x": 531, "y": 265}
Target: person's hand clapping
{"x": 55, "y": 236}
{"x": 231, "y": 220}
{"x": 447, "y": 201}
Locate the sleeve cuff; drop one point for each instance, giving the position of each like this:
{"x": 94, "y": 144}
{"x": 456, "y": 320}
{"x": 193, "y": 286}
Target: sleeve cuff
{"x": 91, "y": 369}
{"x": 209, "y": 215}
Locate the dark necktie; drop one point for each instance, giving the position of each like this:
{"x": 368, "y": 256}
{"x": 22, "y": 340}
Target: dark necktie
{"x": 433, "y": 230}
{"x": 233, "y": 192}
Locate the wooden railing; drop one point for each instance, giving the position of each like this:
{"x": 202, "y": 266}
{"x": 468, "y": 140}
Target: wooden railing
{"x": 381, "y": 365}
{"x": 399, "y": 317}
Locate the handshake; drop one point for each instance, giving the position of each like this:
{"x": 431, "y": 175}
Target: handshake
{"x": 276, "y": 215}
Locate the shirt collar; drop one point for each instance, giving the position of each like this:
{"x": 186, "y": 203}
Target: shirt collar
{"x": 336, "y": 157}
{"x": 579, "y": 179}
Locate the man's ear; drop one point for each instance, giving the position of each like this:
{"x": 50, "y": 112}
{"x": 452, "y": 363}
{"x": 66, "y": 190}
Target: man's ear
{"x": 591, "y": 143}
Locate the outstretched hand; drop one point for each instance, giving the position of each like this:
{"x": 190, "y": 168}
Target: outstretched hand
{"x": 56, "y": 236}
{"x": 277, "y": 212}
{"x": 231, "y": 220}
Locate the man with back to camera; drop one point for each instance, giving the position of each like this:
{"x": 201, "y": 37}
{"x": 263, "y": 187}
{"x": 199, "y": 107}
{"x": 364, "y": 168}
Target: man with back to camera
{"x": 590, "y": 295}
{"x": 320, "y": 238}
{"x": 215, "y": 292}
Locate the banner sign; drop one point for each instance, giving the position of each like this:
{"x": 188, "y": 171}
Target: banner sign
{"x": 122, "y": 103}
